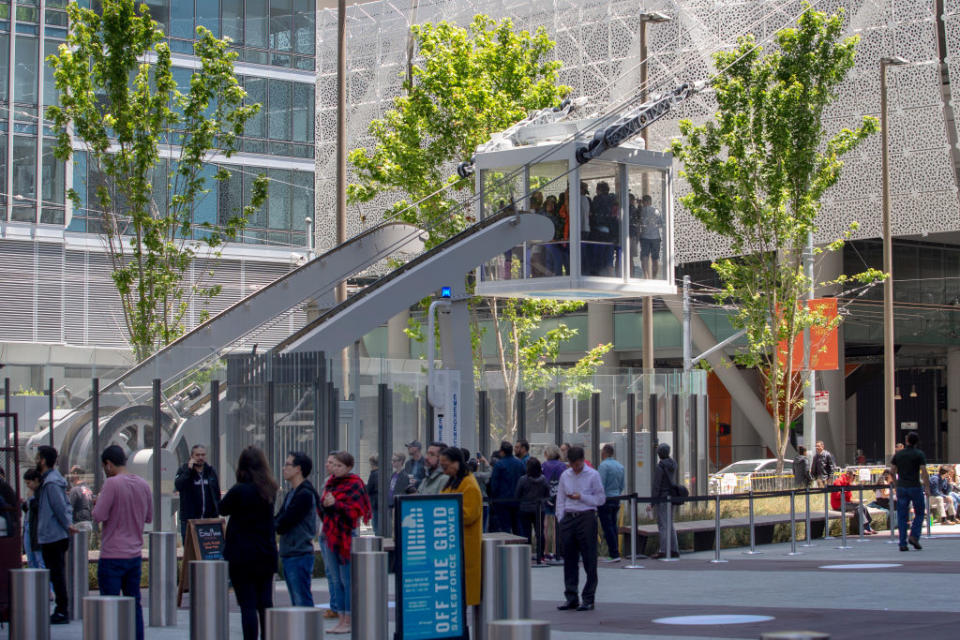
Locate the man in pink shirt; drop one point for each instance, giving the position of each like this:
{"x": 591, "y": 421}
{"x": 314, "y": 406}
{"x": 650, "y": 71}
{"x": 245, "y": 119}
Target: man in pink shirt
{"x": 123, "y": 506}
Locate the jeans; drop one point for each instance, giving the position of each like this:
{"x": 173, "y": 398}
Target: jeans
{"x": 298, "y": 573}
{"x": 338, "y": 578}
{"x": 578, "y": 532}
{"x": 55, "y": 557}
{"x": 608, "y": 524}
{"x": 662, "y": 509}
{"x": 122, "y": 575}
{"x": 905, "y": 496}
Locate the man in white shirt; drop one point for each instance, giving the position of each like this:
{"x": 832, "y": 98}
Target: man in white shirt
{"x": 579, "y": 493}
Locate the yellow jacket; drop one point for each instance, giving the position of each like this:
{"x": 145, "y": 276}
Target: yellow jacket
{"x": 472, "y": 534}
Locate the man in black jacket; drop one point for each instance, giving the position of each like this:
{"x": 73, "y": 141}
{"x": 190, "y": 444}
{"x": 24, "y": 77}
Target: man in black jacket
{"x": 297, "y": 527}
{"x": 801, "y": 469}
{"x": 823, "y": 466}
{"x": 663, "y": 482}
{"x": 199, "y": 489}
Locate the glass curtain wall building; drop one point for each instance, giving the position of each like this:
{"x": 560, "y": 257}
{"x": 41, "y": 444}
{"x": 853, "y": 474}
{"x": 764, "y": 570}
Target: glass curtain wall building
{"x": 275, "y": 40}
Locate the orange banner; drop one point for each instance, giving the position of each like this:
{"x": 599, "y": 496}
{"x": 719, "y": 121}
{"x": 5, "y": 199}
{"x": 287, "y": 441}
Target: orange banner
{"x": 824, "y": 350}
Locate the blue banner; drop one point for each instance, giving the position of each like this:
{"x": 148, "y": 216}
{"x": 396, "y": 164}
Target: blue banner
{"x": 430, "y": 575}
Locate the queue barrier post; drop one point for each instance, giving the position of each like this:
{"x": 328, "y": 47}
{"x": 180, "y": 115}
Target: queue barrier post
{"x": 753, "y": 532}
{"x": 633, "y": 534}
{"x": 892, "y": 517}
{"x": 793, "y": 524}
{"x": 29, "y": 604}
{"x": 826, "y": 514}
{"x": 807, "y": 537}
{"x": 519, "y": 630}
{"x": 668, "y": 544}
{"x": 861, "y": 510}
{"x": 843, "y": 521}
{"x": 294, "y": 623}
{"x": 109, "y": 617}
{"x": 369, "y": 594}
{"x": 716, "y": 537}
{"x": 209, "y": 604}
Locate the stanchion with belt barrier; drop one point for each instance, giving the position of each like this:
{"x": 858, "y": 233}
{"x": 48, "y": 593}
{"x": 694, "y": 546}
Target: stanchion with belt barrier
{"x": 843, "y": 521}
{"x": 716, "y": 541}
{"x": 860, "y": 512}
{"x": 807, "y": 537}
{"x": 78, "y": 572}
{"x": 369, "y": 594}
{"x": 928, "y": 514}
{"x": 892, "y": 518}
{"x": 753, "y": 533}
{"x": 29, "y": 604}
{"x": 669, "y": 542}
{"x": 793, "y": 524}
{"x": 826, "y": 514}
{"x": 209, "y": 605}
{"x": 634, "y": 536}
{"x": 519, "y": 630}
{"x": 109, "y": 618}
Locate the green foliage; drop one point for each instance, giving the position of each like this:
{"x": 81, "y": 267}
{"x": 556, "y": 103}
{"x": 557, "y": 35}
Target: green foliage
{"x": 470, "y": 83}
{"x": 757, "y": 173}
{"x": 120, "y": 110}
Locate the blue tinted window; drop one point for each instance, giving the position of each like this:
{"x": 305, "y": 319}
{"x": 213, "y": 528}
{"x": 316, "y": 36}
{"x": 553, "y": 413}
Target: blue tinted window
{"x": 279, "y": 112}
{"x": 26, "y": 74}
{"x": 255, "y": 21}
{"x": 181, "y": 19}
{"x": 208, "y": 15}
{"x": 232, "y": 19}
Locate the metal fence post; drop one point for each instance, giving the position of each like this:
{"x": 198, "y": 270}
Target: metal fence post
{"x": 53, "y": 403}
{"x": 633, "y": 534}
{"x": 163, "y": 579}
{"x": 843, "y": 520}
{"x": 753, "y": 533}
{"x": 861, "y": 537}
{"x": 369, "y": 595}
{"x": 519, "y": 630}
{"x": 807, "y": 537}
{"x": 95, "y": 438}
{"x": 214, "y": 450}
{"x": 109, "y": 617}
{"x": 78, "y": 576}
{"x": 668, "y": 543}
{"x": 514, "y": 602}
{"x": 716, "y": 538}
{"x": 157, "y": 440}
{"x": 793, "y": 525}
{"x": 928, "y": 514}
{"x": 892, "y": 519}
{"x": 29, "y": 604}
{"x": 826, "y": 514}
{"x": 209, "y": 605}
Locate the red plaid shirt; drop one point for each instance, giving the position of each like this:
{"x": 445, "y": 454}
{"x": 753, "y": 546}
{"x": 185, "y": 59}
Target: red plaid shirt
{"x": 340, "y": 520}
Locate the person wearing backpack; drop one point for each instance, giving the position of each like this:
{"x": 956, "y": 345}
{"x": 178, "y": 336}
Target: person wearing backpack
{"x": 552, "y": 470}
{"x": 801, "y": 469}
{"x": 663, "y": 487}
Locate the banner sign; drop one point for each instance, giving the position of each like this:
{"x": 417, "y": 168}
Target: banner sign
{"x": 431, "y": 589}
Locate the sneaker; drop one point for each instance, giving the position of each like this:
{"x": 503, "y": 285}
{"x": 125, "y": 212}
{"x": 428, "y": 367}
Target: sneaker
{"x": 611, "y": 560}
{"x": 904, "y": 547}
{"x": 59, "y": 618}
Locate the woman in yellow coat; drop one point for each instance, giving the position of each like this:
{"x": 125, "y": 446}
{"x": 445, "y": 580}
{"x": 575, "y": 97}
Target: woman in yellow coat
{"x": 462, "y": 481}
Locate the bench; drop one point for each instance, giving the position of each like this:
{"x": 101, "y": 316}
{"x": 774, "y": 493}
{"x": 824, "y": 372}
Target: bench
{"x": 704, "y": 531}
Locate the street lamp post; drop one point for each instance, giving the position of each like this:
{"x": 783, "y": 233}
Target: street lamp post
{"x": 889, "y": 405}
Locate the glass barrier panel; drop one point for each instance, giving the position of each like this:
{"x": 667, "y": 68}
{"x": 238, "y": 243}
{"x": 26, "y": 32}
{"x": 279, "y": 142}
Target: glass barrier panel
{"x": 502, "y": 192}
{"x": 601, "y": 219}
{"x": 648, "y": 233}
{"x": 549, "y": 197}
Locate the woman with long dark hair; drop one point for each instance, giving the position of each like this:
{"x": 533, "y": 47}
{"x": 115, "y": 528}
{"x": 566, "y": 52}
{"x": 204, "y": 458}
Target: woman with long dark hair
{"x": 462, "y": 481}
{"x": 250, "y": 547}
{"x": 344, "y": 503}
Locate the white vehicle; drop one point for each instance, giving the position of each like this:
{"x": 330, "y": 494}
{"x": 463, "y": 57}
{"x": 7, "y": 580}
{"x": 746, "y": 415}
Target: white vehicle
{"x": 739, "y": 477}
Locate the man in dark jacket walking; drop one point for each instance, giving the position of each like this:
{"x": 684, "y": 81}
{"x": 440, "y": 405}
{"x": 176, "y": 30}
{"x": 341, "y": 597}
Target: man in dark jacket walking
{"x": 503, "y": 486}
{"x": 823, "y": 466}
{"x": 199, "y": 489}
{"x": 54, "y": 525}
{"x": 297, "y": 527}
{"x": 801, "y": 469}
{"x": 663, "y": 481}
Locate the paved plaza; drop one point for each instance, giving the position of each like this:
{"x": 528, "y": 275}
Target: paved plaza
{"x": 910, "y": 595}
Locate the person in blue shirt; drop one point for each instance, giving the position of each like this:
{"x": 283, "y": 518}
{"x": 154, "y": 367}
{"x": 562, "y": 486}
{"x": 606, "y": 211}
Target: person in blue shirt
{"x": 612, "y": 476}
{"x": 940, "y": 499}
{"x": 522, "y": 452}
{"x": 503, "y": 487}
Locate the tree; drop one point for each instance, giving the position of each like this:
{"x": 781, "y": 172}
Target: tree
{"x": 470, "y": 84}
{"x": 121, "y": 108}
{"x": 757, "y": 174}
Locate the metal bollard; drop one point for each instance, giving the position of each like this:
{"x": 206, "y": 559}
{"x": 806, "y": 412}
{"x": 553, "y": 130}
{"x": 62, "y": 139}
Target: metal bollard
{"x": 515, "y": 598}
{"x": 668, "y": 543}
{"x": 209, "y": 606}
{"x": 163, "y": 579}
{"x": 793, "y": 525}
{"x": 362, "y": 544}
{"x": 892, "y": 518}
{"x": 634, "y": 536}
{"x": 861, "y": 537}
{"x": 795, "y": 635}
{"x": 519, "y": 630}
{"x": 753, "y": 532}
{"x": 490, "y": 585}
{"x": 109, "y": 618}
{"x": 368, "y": 595}
{"x": 808, "y": 539}
{"x": 716, "y": 538}
{"x": 826, "y": 515}
{"x": 29, "y": 604}
{"x": 294, "y": 623}
{"x": 78, "y": 575}
{"x": 843, "y": 520}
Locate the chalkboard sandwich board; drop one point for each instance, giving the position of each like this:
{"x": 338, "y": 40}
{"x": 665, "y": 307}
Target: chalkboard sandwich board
{"x": 430, "y": 575}
{"x": 204, "y": 542}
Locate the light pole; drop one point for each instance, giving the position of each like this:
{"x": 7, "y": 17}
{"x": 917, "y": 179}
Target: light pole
{"x": 889, "y": 405}
{"x": 646, "y": 18}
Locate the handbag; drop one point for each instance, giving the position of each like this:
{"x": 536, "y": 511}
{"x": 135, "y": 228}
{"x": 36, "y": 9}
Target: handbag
{"x": 677, "y": 490}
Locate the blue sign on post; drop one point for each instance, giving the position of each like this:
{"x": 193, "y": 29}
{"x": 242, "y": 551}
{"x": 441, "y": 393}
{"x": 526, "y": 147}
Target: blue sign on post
{"x": 431, "y": 586}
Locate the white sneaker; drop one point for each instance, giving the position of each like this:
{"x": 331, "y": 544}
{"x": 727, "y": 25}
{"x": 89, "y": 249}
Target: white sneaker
{"x": 610, "y": 560}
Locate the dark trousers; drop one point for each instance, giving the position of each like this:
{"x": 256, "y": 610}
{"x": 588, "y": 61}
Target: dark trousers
{"x": 530, "y": 526}
{"x": 122, "y": 576}
{"x": 254, "y": 595}
{"x": 55, "y": 558}
{"x": 608, "y": 524}
{"x": 578, "y": 533}
{"x": 905, "y": 497}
